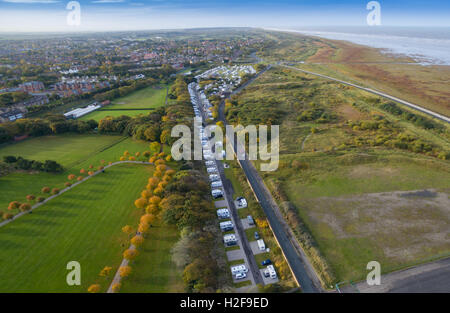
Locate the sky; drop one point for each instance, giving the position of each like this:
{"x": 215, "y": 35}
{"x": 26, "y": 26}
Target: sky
{"x": 113, "y": 15}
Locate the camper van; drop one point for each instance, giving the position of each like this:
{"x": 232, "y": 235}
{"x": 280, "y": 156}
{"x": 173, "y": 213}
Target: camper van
{"x": 216, "y": 193}
{"x": 261, "y": 245}
{"x": 214, "y": 177}
{"x": 216, "y": 184}
{"x": 226, "y": 226}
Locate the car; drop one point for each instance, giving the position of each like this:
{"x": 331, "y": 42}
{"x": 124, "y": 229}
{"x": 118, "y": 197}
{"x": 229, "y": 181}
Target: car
{"x": 266, "y": 262}
{"x": 266, "y": 273}
{"x": 256, "y": 235}
{"x": 241, "y": 275}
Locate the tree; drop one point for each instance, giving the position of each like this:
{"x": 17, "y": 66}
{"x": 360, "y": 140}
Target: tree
{"x": 13, "y": 205}
{"x": 161, "y": 167}
{"x": 146, "y": 193}
{"x": 155, "y": 200}
{"x": 25, "y": 207}
{"x": 153, "y": 181}
{"x": 125, "y": 271}
{"x": 143, "y": 228}
{"x": 169, "y": 158}
{"x": 127, "y": 229}
{"x": 45, "y": 190}
{"x": 155, "y": 146}
{"x": 151, "y": 209}
{"x": 130, "y": 254}
{"x": 140, "y": 203}
{"x": 116, "y": 287}
{"x": 137, "y": 240}
{"x": 7, "y": 216}
{"x": 147, "y": 218}
{"x": 80, "y": 178}
{"x": 105, "y": 271}
{"x": 40, "y": 199}
{"x": 122, "y": 158}
{"x": 71, "y": 177}
{"x": 55, "y": 191}
{"x": 95, "y": 288}
{"x": 90, "y": 173}
{"x": 82, "y": 171}
{"x": 67, "y": 184}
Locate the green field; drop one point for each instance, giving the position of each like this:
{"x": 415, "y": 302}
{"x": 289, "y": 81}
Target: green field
{"x": 342, "y": 193}
{"x": 147, "y": 98}
{"x": 83, "y": 224}
{"x": 153, "y": 269}
{"x": 65, "y": 149}
{"x": 80, "y": 152}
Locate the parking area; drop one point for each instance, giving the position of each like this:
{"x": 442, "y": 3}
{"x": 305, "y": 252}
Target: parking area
{"x": 245, "y": 223}
{"x": 268, "y": 280}
{"x": 255, "y": 248}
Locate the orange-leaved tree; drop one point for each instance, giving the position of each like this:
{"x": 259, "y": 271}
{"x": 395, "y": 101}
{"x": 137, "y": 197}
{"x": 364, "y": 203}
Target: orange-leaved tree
{"x": 125, "y": 271}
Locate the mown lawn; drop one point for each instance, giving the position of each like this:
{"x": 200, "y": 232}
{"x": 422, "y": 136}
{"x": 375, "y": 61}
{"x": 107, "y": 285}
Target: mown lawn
{"x": 86, "y": 150}
{"x": 153, "y": 269}
{"x": 83, "y": 224}
{"x": 65, "y": 149}
{"x": 147, "y": 98}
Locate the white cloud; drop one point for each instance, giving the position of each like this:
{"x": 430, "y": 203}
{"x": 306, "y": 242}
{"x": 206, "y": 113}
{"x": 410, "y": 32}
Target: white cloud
{"x": 107, "y": 1}
{"x": 32, "y": 1}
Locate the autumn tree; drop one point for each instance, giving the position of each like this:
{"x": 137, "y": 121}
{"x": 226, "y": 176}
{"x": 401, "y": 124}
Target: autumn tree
{"x": 137, "y": 240}
{"x": 122, "y": 158}
{"x": 155, "y": 200}
{"x": 146, "y": 193}
{"x": 82, "y": 171}
{"x": 125, "y": 271}
{"x": 25, "y": 207}
{"x": 153, "y": 181}
{"x": 31, "y": 197}
{"x": 127, "y": 229}
{"x": 71, "y": 177}
{"x": 67, "y": 184}
{"x": 45, "y": 190}
{"x": 95, "y": 288}
{"x": 40, "y": 199}
{"x": 7, "y": 216}
{"x": 80, "y": 178}
{"x": 13, "y": 205}
{"x": 105, "y": 271}
{"x": 140, "y": 203}
{"x": 143, "y": 228}
{"x": 55, "y": 191}
{"x": 130, "y": 254}
{"x": 116, "y": 287}
{"x": 90, "y": 173}
{"x": 147, "y": 218}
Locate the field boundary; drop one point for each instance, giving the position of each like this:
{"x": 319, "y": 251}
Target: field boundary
{"x": 69, "y": 188}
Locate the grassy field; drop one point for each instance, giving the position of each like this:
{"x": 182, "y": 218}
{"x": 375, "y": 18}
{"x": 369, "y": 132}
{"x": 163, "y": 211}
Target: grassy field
{"x": 83, "y": 224}
{"x": 147, "y": 98}
{"x": 396, "y": 75}
{"x": 153, "y": 269}
{"x": 65, "y": 149}
{"x": 349, "y": 195}
{"x": 77, "y": 155}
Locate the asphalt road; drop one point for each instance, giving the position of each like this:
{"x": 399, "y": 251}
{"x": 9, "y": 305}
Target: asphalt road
{"x": 432, "y": 277}
{"x": 303, "y": 271}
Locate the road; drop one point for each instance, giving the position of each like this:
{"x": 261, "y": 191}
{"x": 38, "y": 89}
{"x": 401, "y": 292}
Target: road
{"x": 378, "y": 93}
{"x": 431, "y": 277}
{"x": 254, "y": 274}
{"x": 301, "y": 267}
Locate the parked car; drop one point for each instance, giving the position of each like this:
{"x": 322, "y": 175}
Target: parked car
{"x": 256, "y": 235}
{"x": 266, "y": 262}
{"x": 241, "y": 275}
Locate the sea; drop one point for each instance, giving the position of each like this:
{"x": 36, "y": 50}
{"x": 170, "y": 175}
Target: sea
{"x": 426, "y": 45}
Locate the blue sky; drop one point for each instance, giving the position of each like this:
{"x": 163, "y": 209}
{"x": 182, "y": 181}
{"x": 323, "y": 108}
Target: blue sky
{"x": 50, "y": 15}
